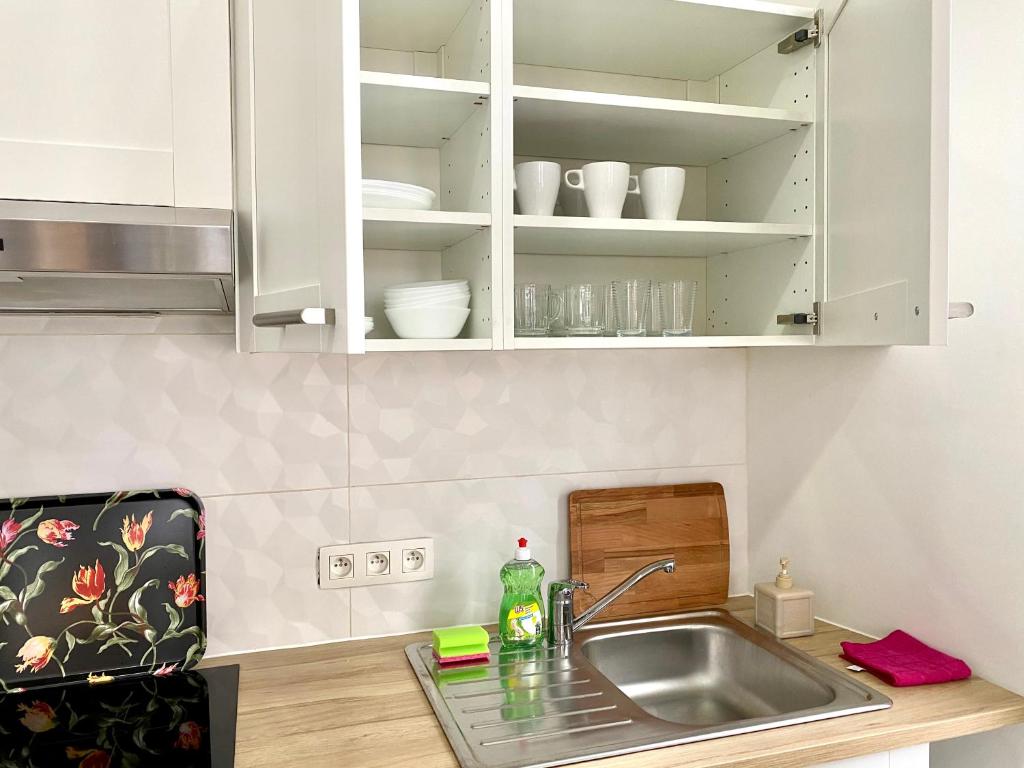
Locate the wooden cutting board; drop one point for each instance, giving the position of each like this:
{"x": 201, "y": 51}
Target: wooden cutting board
{"x": 615, "y": 531}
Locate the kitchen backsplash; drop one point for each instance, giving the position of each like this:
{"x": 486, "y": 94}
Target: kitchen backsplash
{"x": 291, "y": 452}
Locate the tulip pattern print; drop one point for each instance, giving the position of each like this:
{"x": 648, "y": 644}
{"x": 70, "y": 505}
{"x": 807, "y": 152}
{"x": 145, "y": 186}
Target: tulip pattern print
{"x": 152, "y": 722}
{"x": 86, "y": 592}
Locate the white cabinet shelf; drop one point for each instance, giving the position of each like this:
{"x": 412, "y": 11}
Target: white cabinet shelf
{"x": 416, "y": 111}
{"x": 397, "y": 230}
{"x": 691, "y": 39}
{"x": 551, "y": 122}
{"x": 642, "y": 237}
{"x": 658, "y": 342}
{"x": 427, "y": 345}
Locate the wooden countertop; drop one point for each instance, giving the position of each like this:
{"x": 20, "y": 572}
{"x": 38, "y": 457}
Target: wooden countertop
{"x": 358, "y": 704}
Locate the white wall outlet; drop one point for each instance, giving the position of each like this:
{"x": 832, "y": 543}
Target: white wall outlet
{"x": 378, "y": 563}
{"x": 413, "y": 560}
{"x": 365, "y": 564}
{"x": 340, "y": 566}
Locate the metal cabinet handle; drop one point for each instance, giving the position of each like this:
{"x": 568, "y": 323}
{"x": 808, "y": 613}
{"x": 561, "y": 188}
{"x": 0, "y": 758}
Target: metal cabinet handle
{"x": 306, "y": 316}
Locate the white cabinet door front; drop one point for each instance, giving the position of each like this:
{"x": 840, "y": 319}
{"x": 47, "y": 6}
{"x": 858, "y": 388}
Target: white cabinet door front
{"x": 887, "y": 174}
{"x": 116, "y": 101}
{"x": 299, "y": 175}
{"x": 86, "y": 94}
{"x": 909, "y": 757}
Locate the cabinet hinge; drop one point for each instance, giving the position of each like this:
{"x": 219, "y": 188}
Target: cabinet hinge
{"x": 802, "y": 318}
{"x": 803, "y": 37}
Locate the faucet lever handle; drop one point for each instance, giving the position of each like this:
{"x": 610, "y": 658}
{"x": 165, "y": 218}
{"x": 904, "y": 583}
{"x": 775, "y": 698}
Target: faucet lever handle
{"x": 567, "y": 586}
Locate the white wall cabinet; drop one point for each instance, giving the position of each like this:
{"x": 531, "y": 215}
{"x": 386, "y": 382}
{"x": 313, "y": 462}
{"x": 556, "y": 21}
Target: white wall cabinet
{"x": 116, "y": 101}
{"x": 816, "y": 179}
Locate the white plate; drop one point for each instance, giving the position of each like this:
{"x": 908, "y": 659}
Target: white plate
{"x": 395, "y": 194}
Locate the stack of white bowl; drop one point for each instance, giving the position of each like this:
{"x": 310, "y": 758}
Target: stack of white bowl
{"x": 432, "y": 310}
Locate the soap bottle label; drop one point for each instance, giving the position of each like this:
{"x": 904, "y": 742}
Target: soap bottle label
{"x": 524, "y": 621}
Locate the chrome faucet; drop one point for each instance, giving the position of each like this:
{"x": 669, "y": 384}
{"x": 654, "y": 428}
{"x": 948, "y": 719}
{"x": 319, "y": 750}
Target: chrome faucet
{"x": 561, "y": 622}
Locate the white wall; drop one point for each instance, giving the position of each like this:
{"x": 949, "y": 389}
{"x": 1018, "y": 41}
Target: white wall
{"x": 291, "y": 452}
{"x": 895, "y": 478}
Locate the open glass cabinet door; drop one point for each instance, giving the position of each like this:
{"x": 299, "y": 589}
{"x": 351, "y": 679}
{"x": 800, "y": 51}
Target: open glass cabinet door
{"x": 298, "y": 176}
{"x": 886, "y": 174}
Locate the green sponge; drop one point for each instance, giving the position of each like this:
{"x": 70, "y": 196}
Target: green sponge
{"x": 461, "y": 645}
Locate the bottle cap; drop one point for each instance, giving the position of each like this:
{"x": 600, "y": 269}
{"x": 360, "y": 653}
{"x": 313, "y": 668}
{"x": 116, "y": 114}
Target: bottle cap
{"x": 784, "y": 580}
{"x": 522, "y": 551}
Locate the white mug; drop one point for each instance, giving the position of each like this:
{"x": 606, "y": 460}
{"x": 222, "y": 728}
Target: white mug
{"x": 536, "y": 186}
{"x": 605, "y": 186}
{"x": 661, "y": 192}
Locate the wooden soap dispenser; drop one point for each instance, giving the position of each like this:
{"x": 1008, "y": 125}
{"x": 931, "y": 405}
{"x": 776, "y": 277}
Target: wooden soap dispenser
{"x": 782, "y": 609}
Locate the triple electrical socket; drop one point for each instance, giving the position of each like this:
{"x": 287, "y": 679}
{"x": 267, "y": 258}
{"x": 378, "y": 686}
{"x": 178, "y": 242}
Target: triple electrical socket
{"x": 341, "y": 566}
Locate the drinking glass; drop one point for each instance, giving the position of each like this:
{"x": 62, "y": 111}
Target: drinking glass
{"x": 633, "y": 301}
{"x": 611, "y": 311}
{"x": 673, "y": 308}
{"x": 584, "y": 309}
{"x": 536, "y": 306}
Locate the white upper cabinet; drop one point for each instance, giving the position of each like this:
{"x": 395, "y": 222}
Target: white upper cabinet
{"x": 815, "y": 171}
{"x": 116, "y": 101}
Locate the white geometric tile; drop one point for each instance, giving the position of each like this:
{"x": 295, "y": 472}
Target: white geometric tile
{"x": 95, "y": 413}
{"x": 474, "y": 524}
{"x": 446, "y": 416}
{"x": 261, "y": 578}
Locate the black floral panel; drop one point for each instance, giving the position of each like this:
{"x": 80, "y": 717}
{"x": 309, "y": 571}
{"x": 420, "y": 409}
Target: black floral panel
{"x": 98, "y": 586}
{"x": 170, "y": 721}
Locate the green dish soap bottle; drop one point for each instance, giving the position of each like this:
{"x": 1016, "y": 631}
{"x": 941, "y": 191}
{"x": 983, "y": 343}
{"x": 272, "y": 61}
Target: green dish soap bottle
{"x": 521, "y": 619}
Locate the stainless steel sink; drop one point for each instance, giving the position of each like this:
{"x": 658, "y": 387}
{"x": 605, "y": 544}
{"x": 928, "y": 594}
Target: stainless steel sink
{"x": 704, "y": 672}
{"x": 630, "y": 686}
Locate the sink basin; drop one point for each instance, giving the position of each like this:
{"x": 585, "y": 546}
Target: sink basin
{"x": 628, "y": 686}
{"x": 704, "y": 672}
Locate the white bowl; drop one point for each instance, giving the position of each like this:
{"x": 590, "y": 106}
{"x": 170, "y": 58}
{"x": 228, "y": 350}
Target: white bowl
{"x": 429, "y": 294}
{"x": 432, "y": 285}
{"x": 394, "y": 194}
{"x": 427, "y": 322}
{"x": 457, "y": 301}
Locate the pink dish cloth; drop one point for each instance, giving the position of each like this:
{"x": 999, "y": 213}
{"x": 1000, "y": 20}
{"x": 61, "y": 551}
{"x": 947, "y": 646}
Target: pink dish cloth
{"x": 901, "y": 659}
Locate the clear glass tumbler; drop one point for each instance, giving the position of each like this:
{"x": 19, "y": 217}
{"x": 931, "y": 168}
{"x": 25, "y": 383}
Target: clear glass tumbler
{"x": 673, "y": 308}
{"x": 633, "y": 302}
{"x": 536, "y": 307}
{"x": 584, "y": 309}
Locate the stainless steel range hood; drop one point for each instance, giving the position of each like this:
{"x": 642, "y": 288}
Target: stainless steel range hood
{"x": 114, "y": 259}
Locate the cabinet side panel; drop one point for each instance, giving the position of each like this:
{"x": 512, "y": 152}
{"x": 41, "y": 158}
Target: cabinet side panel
{"x": 771, "y": 183}
{"x": 748, "y": 289}
{"x": 467, "y": 54}
{"x": 471, "y": 260}
{"x": 466, "y": 166}
{"x": 772, "y": 79}
{"x": 244, "y": 170}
